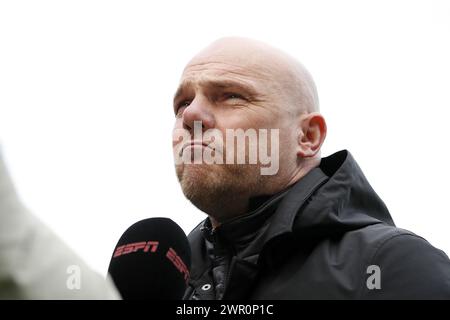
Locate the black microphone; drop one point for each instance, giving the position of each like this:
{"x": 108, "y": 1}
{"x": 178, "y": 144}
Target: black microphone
{"x": 151, "y": 261}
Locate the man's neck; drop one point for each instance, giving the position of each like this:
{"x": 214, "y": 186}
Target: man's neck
{"x": 242, "y": 204}
{"x": 238, "y": 208}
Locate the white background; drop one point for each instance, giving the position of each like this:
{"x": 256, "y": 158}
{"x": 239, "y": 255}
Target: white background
{"x": 86, "y": 114}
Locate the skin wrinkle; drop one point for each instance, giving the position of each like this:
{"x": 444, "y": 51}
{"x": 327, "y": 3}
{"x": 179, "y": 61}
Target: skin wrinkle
{"x": 231, "y": 83}
{"x": 283, "y": 96}
{"x": 216, "y": 65}
{"x": 254, "y": 98}
{"x": 240, "y": 71}
{"x": 249, "y": 79}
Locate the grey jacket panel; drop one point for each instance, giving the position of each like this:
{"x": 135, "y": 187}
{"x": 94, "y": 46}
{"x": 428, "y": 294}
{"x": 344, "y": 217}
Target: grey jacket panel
{"x": 34, "y": 262}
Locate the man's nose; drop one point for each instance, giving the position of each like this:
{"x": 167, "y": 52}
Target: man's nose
{"x": 200, "y": 109}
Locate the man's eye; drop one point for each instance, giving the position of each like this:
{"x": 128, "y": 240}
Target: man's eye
{"x": 231, "y": 95}
{"x": 184, "y": 103}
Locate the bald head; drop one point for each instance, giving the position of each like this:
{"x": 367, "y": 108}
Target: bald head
{"x": 283, "y": 73}
{"x": 245, "y": 86}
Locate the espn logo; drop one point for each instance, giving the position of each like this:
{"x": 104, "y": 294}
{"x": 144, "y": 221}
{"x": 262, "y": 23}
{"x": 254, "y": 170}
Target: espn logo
{"x": 178, "y": 263}
{"x": 145, "y": 246}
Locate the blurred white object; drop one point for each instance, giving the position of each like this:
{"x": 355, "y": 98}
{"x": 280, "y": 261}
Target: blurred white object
{"x": 34, "y": 262}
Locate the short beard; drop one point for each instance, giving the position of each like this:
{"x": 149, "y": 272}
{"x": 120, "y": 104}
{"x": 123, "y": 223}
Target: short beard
{"x": 219, "y": 190}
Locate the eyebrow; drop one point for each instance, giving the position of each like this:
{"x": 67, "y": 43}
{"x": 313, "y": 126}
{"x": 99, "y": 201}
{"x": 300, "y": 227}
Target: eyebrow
{"x": 220, "y": 84}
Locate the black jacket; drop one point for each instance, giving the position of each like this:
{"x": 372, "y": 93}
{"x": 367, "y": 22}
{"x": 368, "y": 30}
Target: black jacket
{"x": 329, "y": 236}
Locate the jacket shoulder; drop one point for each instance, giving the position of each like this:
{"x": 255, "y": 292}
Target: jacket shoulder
{"x": 407, "y": 267}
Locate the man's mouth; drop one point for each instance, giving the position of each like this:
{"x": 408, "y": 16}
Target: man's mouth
{"x": 194, "y": 144}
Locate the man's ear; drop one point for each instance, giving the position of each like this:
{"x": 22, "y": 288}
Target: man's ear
{"x": 312, "y": 132}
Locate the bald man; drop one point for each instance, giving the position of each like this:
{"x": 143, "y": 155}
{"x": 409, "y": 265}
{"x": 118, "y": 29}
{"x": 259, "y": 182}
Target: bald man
{"x": 313, "y": 228}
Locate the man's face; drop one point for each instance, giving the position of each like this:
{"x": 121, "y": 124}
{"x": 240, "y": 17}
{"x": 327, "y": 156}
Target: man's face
{"x": 223, "y": 94}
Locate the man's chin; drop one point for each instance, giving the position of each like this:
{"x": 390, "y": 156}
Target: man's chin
{"x": 200, "y": 183}
{"x": 208, "y": 186}
{"x": 194, "y": 172}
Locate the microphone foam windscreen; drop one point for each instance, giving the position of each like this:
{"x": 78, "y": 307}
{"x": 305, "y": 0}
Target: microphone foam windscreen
{"x": 151, "y": 261}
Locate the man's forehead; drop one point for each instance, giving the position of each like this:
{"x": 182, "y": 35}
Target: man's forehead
{"x": 213, "y": 71}
{"x": 237, "y": 59}
{"x": 220, "y": 67}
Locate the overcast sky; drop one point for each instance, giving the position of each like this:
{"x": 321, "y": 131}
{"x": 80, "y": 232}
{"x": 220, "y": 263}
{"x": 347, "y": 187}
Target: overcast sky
{"x": 86, "y": 103}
